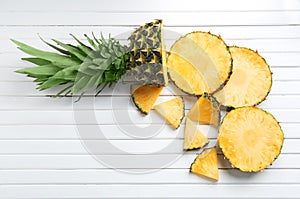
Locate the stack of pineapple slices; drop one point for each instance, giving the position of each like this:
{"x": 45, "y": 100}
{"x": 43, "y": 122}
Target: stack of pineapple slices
{"x": 234, "y": 78}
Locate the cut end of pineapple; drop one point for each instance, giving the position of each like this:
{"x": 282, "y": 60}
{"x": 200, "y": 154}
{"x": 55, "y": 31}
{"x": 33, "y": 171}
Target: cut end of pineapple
{"x": 144, "y": 97}
{"x": 250, "y": 138}
{"x": 193, "y": 137}
{"x": 206, "y": 164}
{"x": 205, "y": 111}
{"x": 250, "y": 82}
{"x": 164, "y": 55}
{"x": 172, "y": 110}
{"x": 199, "y": 62}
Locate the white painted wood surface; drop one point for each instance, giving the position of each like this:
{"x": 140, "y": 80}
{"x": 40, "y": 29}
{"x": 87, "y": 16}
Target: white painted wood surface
{"x": 41, "y": 154}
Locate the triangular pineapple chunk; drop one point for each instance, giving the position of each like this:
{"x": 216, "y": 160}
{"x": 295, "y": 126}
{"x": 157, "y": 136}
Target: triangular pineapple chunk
{"x": 206, "y": 164}
{"x": 193, "y": 137}
{"x": 205, "y": 111}
{"x": 172, "y": 110}
{"x": 144, "y": 97}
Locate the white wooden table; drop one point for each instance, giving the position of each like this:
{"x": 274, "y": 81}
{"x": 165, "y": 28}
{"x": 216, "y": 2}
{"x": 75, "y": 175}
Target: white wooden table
{"x": 41, "y": 154}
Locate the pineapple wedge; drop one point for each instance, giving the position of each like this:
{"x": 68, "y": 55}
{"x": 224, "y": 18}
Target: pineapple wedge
{"x": 193, "y": 137}
{"x": 206, "y": 164}
{"x": 144, "y": 97}
{"x": 205, "y": 111}
{"x": 172, "y": 110}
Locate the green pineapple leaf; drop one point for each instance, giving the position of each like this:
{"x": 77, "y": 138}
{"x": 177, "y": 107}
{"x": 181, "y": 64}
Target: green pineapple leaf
{"x": 82, "y": 46}
{"x": 51, "y": 82}
{"x": 48, "y": 70}
{"x": 57, "y": 59}
{"x": 55, "y": 47}
{"x": 36, "y": 61}
{"x": 73, "y": 50}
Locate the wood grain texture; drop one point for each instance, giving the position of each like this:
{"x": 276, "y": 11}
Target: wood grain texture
{"x": 41, "y": 152}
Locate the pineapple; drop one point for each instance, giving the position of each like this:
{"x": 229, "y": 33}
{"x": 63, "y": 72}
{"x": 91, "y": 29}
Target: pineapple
{"x": 206, "y": 164}
{"x": 250, "y": 138}
{"x": 250, "y": 81}
{"x": 205, "y": 110}
{"x": 103, "y": 62}
{"x": 148, "y": 54}
{"x": 193, "y": 137}
{"x": 172, "y": 110}
{"x": 199, "y": 62}
{"x": 144, "y": 97}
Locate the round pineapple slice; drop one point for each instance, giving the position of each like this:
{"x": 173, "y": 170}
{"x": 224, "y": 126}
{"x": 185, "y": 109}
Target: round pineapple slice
{"x": 250, "y": 138}
{"x": 250, "y": 82}
{"x": 199, "y": 62}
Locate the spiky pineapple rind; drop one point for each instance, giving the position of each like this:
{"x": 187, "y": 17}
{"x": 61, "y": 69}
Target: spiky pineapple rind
{"x": 147, "y": 54}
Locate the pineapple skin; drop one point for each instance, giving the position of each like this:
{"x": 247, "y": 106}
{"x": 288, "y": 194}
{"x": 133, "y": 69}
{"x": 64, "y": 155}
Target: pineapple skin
{"x": 148, "y": 55}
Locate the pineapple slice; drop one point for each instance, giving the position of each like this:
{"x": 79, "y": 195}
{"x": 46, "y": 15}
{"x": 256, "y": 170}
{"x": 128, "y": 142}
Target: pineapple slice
{"x": 199, "y": 62}
{"x": 206, "y": 164}
{"x": 250, "y": 138}
{"x": 205, "y": 111}
{"x": 172, "y": 110}
{"x": 250, "y": 82}
{"x": 193, "y": 137}
{"x": 144, "y": 97}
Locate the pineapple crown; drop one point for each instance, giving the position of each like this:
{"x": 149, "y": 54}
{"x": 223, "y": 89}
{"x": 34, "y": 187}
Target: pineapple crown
{"x": 79, "y": 67}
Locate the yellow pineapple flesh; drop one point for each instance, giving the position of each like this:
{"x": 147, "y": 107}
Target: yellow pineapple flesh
{"x": 250, "y": 138}
{"x": 172, "y": 110}
{"x": 206, "y": 164}
{"x": 144, "y": 97}
{"x": 193, "y": 137}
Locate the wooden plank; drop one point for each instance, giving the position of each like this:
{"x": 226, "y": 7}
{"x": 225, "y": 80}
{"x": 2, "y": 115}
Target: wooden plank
{"x": 151, "y": 190}
{"x": 111, "y": 132}
{"x": 51, "y": 162}
{"x": 120, "y": 102}
{"x": 108, "y": 117}
{"x": 156, "y": 5}
{"x": 291, "y": 146}
{"x": 219, "y": 18}
{"x": 121, "y": 89}
{"x": 262, "y": 45}
{"x": 173, "y": 32}
{"x": 165, "y": 176}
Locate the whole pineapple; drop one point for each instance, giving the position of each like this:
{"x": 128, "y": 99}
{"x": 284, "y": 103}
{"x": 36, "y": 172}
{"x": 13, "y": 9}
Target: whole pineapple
{"x": 101, "y": 63}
